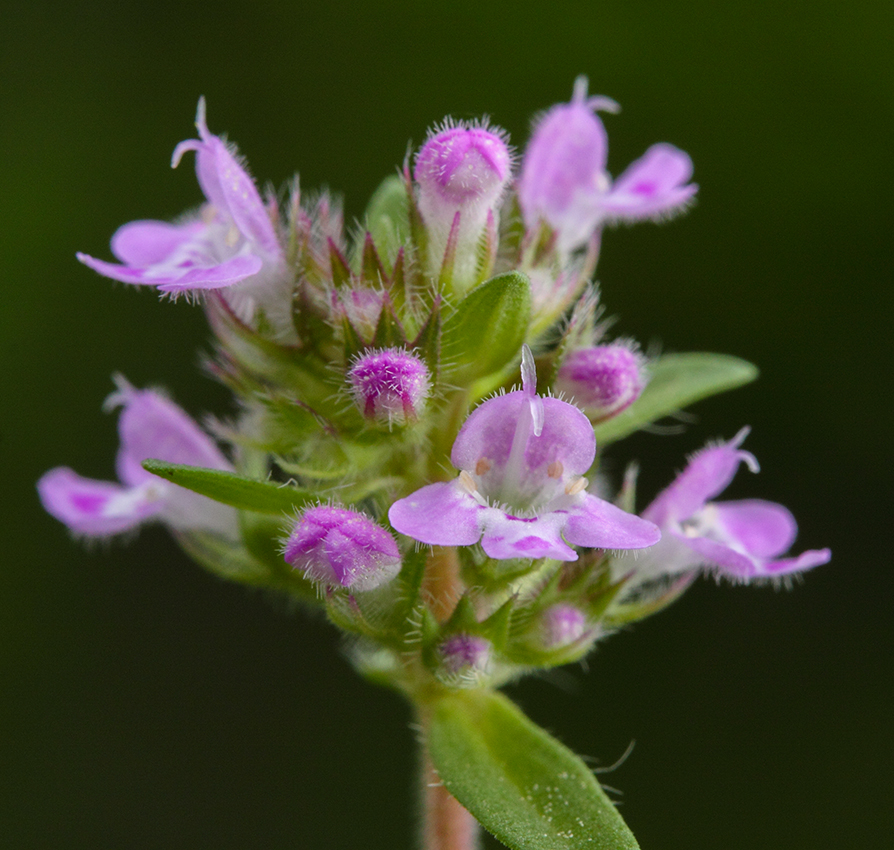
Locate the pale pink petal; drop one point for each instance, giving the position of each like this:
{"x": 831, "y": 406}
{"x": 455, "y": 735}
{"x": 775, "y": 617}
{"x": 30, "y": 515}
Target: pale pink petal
{"x": 764, "y": 529}
{"x": 597, "y": 524}
{"x": 97, "y": 508}
{"x": 179, "y": 279}
{"x": 148, "y": 243}
{"x": 707, "y": 474}
{"x": 518, "y": 537}
{"x": 441, "y": 514}
{"x": 652, "y": 186}
{"x": 151, "y": 426}
{"x": 563, "y": 165}
{"x": 566, "y": 435}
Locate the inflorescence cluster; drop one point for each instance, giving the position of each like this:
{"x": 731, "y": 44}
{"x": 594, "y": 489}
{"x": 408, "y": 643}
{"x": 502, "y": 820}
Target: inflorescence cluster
{"x": 387, "y": 463}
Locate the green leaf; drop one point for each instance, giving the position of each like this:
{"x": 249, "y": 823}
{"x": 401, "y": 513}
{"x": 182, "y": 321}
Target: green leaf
{"x": 520, "y": 783}
{"x": 387, "y": 216}
{"x": 231, "y": 489}
{"x": 677, "y": 380}
{"x": 488, "y": 328}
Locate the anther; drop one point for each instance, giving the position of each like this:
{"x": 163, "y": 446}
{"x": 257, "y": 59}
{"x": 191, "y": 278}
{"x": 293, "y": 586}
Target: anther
{"x": 555, "y": 469}
{"x": 575, "y": 487}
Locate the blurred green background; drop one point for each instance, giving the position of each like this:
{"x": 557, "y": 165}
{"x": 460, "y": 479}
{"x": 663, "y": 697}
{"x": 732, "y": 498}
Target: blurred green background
{"x": 145, "y": 704}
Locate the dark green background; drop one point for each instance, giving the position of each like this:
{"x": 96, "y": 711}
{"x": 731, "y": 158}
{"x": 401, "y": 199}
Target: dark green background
{"x": 145, "y": 704}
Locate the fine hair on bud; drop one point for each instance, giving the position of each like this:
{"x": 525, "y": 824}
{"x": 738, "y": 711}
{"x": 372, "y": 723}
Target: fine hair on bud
{"x": 389, "y": 386}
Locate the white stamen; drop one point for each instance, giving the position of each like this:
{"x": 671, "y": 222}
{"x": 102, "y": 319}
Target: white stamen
{"x": 575, "y": 487}
{"x": 468, "y": 482}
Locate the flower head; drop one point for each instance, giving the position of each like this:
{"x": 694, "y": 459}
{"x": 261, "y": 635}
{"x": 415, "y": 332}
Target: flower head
{"x": 521, "y": 489}
{"x": 389, "y": 386}
{"x": 740, "y": 539}
{"x": 564, "y": 180}
{"x": 337, "y": 547}
{"x": 150, "y": 426}
{"x": 232, "y": 241}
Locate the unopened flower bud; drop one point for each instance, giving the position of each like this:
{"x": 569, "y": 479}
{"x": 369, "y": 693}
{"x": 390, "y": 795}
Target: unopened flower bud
{"x": 389, "y": 386}
{"x": 603, "y": 380}
{"x": 562, "y": 625}
{"x": 337, "y": 547}
{"x": 465, "y": 657}
{"x": 460, "y": 170}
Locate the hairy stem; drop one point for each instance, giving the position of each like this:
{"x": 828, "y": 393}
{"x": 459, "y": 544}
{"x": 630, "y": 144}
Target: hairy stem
{"x": 442, "y": 586}
{"x": 446, "y": 825}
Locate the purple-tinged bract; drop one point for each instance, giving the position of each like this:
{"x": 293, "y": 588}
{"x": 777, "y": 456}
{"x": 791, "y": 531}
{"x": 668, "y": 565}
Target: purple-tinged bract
{"x": 603, "y": 380}
{"x": 564, "y": 181}
{"x": 521, "y": 489}
{"x": 150, "y": 426}
{"x": 741, "y": 540}
{"x": 389, "y": 386}
{"x": 337, "y": 547}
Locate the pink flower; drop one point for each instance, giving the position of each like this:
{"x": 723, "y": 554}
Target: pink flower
{"x": 564, "y": 181}
{"x": 520, "y": 490}
{"x": 233, "y": 240}
{"x": 742, "y": 540}
{"x": 150, "y": 426}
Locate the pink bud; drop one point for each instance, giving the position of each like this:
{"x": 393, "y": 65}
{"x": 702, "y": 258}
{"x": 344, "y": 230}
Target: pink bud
{"x": 339, "y": 547}
{"x": 465, "y": 655}
{"x": 562, "y": 625}
{"x": 389, "y": 386}
{"x": 461, "y": 172}
{"x": 603, "y": 380}
{"x": 462, "y": 165}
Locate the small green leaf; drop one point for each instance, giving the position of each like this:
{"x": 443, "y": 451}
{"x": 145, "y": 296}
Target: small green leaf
{"x": 387, "y": 216}
{"x": 488, "y": 328}
{"x": 677, "y": 380}
{"x": 520, "y": 783}
{"x": 231, "y": 489}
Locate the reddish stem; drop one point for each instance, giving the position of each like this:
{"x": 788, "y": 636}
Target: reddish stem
{"x": 446, "y": 824}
